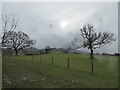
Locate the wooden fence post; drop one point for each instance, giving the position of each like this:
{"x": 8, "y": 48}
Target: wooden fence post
{"x": 68, "y": 62}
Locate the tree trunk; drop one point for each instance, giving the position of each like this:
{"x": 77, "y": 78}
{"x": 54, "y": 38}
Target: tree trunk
{"x": 91, "y": 57}
{"x": 92, "y": 65}
{"x": 16, "y": 52}
{"x": 91, "y": 54}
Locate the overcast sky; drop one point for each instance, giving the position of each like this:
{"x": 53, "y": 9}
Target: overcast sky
{"x": 56, "y": 24}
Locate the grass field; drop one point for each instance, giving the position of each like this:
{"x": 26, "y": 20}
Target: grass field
{"x": 39, "y": 72}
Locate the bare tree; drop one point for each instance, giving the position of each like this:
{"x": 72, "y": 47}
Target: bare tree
{"x": 92, "y": 40}
{"x": 9, "y": 23}
{"x": 75, "y": 44}
{"x": 18, "y": 41}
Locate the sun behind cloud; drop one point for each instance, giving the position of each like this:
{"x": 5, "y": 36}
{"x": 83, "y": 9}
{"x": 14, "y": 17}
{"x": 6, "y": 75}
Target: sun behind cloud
{"x": 63, "y": 24}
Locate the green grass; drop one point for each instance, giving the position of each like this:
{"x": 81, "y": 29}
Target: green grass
{"x": 23, "y": 72}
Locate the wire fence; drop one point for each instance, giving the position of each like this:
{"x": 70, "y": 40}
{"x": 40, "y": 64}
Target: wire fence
{"x": 78, "y": 62}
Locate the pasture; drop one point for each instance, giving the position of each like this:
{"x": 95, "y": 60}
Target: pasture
{"x": 51, "y": 71}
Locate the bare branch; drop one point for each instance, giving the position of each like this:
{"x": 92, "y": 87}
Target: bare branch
{"x": 9, "y": 23}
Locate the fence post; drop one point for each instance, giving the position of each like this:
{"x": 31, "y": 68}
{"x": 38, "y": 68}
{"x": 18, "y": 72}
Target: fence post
{"x": 68, "y": 62}
{"x": 52, "y": 59}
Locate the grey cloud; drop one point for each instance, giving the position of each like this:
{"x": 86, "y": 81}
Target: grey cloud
{"x": 41, "y": 21}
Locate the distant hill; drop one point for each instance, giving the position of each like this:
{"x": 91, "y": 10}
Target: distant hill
{"x": 31, "y": 49}
{"x": 79, "y": 52}
{"x": 66, "y": 50}
{"x": 55, "y": 50}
